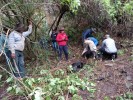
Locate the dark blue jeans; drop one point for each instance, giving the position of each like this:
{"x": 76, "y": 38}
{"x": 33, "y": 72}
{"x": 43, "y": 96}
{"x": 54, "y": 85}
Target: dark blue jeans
{"x": 65, "y": 50}
{"x": 105, "y": 54}
{"x": 55, "y": 46}
{"x": 17, "y": 63}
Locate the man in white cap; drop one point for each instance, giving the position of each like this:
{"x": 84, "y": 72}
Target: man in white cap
{"x": 108, "y": 47}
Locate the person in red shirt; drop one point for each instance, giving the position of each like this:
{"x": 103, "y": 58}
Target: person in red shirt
{"x": 62, "y": 42}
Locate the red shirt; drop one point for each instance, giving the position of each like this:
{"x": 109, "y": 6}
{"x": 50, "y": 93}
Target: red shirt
{"x": 62, "y": 39}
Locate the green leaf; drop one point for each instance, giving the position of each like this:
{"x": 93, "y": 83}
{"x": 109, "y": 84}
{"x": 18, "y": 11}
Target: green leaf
{"x": 9, "y": 89}
{"x": 44, "y": 72}
{"x": 48, "y": 98}
{"x": 9, "y": 79}
{"x": 76, "y": 97}
{"x": 0, "y": 77}
{"x": 92, "y": 84}
{"x": 61, "y": 98}
{"x": 72, "y": 89}
{"x": 18, "y": 90}
{"x": 30, "y": 83}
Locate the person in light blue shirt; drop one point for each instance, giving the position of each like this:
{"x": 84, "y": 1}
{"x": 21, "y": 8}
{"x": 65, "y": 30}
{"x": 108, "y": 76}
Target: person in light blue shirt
{"x": 4, "y": 51}
{"x": 3, "y": 41}
{"x": 108, "y": 47}
{"x": 94, "y": 40}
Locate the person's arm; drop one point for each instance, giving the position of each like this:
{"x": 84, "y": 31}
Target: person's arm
{"x": 29, "y": 30}
{"x": 59, "y": 39}
{"x": 103, "y": 44}
{"x": 84, "y": 36}
{"x": 66, "y": 38}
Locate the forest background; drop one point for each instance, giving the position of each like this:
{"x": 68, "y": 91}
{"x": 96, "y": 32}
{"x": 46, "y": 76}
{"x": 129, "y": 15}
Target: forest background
{"x": 114, "y": 17}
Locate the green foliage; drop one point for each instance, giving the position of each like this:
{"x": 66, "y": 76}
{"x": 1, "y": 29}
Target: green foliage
{"x": 0, "y": 77}
{"x": 72, "y": 4}
{"x": 15, "y": 90}
{"x": 130, "y": 58}
{"x": 126, "y": 96}
{"x": 61, "y": 98}
{"x": 48, "y": 86}
{"x": 128, "y": 8}
{"x": 116, "y": 8}
{"x": 76, "y": 97}
{"x": 106, "y": 98}
{"x": 121, "y": 52}
{"x": 108, "y": 7}
{"x": 10, "y": 79}
{"x": 72, "y": 33}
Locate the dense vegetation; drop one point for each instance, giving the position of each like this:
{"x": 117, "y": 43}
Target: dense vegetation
{"x": 108, "y": 16}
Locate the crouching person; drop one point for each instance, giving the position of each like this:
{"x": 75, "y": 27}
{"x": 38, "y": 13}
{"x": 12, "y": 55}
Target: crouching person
{"x": 90, "y": 49}
{"x": 108, "y": 48}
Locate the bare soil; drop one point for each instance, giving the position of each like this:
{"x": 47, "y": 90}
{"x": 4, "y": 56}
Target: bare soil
{"x": 111, "y": 77}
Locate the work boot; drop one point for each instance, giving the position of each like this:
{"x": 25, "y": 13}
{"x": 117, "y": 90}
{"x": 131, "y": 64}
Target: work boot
{"x": 113, "y": 57}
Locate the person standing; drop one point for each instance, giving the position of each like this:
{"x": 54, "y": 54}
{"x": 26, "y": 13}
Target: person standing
{"x": 16, "y": 44}
{"x": 4, "y": 51}
{"x": 108, "y": 47}
{"x": 54, "y": 43}
{"x": 3, "y": 41}
{"x": 62, "y": 40}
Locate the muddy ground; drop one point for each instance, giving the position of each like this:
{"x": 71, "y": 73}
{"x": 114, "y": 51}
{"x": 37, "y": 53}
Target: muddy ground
{"x": 112, "y": 78}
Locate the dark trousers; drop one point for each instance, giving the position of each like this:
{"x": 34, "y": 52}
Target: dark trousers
{"x": 17, "y": 64}
{"x": 63, "y": 49}
{"x": 55, "y": 46}
{"x": 89, "y": 53}
{"x": 105, "y": 54}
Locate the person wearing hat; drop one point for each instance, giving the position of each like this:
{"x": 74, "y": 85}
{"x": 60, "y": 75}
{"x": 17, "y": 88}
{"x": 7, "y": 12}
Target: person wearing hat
{"x": 16, "y": 45}
{"x": 88, "y": 33}
{"x": 54, "y": 43}
{"x": 108, "y": 47}
{"x": 62, "y": 39}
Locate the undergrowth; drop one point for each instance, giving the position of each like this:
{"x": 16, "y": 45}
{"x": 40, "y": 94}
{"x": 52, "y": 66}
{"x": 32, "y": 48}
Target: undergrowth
{"x": 60, "y": 84}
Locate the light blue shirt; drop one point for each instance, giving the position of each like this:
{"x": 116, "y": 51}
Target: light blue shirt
{"x": 109, "y": 45}
{"x": 94, "y": 40}
{"x": 17, "y": 40}
{"x": 3, "y": 40}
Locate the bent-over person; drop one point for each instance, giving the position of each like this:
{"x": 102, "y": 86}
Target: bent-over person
{"x": 89, "y": 48}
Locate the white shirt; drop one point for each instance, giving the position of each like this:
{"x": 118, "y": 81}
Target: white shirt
{"x": 91, "y": 44}
{"x": 109, "y": 45}
{"x": 17, "y": 40}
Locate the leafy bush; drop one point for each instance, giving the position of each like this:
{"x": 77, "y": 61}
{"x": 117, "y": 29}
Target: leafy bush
{"x": 50, "y": 87}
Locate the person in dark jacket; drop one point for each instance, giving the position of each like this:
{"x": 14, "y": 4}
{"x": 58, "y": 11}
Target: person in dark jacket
{"x": 88, "y": 33}
{"x": 54, "y": 43}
